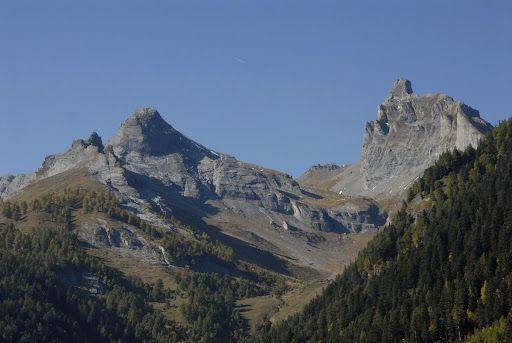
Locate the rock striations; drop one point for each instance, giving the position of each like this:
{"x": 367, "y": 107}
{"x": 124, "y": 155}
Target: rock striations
{"x": 156, "y": 171}
{"x": 409, "y": 134}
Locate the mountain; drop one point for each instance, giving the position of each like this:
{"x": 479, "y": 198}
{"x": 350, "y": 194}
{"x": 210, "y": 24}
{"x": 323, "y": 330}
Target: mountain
{"x": 151, "y": 236}
{"x": 443, "y": 274}
{"x": 409, "y": 134}
{"x": 152, "y": 204}
{"x": 156, "y": 171}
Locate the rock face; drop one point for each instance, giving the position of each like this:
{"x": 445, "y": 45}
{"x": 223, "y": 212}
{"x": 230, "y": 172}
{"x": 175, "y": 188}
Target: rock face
{"x": 156, "y": 171}
{"x": 124, "y": 239}
{"x": 409, "y": 134}
{"x": 79, "y": 155}
{"x": 11, "y": 184}
{"x": 149, "y": 161}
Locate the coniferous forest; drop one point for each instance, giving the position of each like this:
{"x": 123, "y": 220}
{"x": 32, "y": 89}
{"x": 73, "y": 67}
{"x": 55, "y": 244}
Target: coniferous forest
{"x": 256, "y": 172}
{"x": 41, "y": 301}
{"x": 52, "y": 290}
{"x": 440, "y": 274}
{"x": 441, "y": 271}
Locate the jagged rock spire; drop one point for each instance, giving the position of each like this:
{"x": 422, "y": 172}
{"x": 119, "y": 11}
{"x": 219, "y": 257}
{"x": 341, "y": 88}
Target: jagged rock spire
{"x": 400, "y": 88}
{"x": 95, "y": 139}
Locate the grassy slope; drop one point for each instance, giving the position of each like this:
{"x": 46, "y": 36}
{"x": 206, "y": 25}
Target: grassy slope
{"x": 303, "y": 285}
{"x": 128, "y": 266}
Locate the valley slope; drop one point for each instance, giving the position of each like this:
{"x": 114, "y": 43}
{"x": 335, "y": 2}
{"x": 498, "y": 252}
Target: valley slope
{"x": 443, "y": 274}
{"x": 287, "y": 239}
{"x": 154, "y": 205}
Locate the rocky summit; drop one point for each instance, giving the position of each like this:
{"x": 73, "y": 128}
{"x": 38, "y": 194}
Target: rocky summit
{"x": 410, "y": 132}
{"x": 155, "y": 205}
{"x": 157, "y": 172}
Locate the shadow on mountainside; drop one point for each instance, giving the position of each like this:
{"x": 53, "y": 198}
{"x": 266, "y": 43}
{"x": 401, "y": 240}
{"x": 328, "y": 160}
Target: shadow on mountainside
{"x": 244, "y": 250}
{"x": 190, "y": 211}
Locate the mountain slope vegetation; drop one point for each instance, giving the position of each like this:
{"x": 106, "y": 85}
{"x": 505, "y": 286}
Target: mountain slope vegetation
{"x": 443, "y": 274}
{"x": 52, "y": 288}
{"x": 154, "y": 237}
{"x": 44, "y": 295}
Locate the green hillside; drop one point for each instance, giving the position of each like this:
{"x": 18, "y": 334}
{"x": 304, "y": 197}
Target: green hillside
{"x": 55, "y": 288}
{"x": 443, "y": 274}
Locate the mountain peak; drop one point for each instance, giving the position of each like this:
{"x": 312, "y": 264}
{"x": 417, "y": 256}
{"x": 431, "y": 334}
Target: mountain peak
{"x": 410, "y": 133}
{"x": 400, "y": 88}
{"x": 147, "y": 118}
{"x": 146, "y": 114}
{"x": 145, "y": 132}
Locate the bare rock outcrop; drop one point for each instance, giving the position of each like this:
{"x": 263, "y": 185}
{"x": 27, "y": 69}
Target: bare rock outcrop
{"x": 161, "y": 167}
{"x": 80, "y": 155}
{"x": 409, "y": 134}
{"x": 156, "y": 171}
{"x": 124, "y": 239}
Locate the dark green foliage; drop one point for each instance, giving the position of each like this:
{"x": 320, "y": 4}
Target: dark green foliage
{"x": 60, "y": 206}
{"x": 497, "y": 332}
{"x": 46, "y": 294}
{"x": 210, "y": 307}
{"x": 437, "y": 277}
{"x": 13, "y": 210}
{"x": 211, "y": 304}
{"x": 188, "y": 251}
{"x": 448, "y": 163}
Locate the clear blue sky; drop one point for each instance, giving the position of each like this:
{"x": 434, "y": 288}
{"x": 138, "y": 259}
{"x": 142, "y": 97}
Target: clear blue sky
{"x": 284, "y": 84}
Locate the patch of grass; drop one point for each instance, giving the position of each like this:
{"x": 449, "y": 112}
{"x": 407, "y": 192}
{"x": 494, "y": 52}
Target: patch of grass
{"x": 259, "y": 308}
{"x": 78, "y": 178}
{"x": 330, "y": 199}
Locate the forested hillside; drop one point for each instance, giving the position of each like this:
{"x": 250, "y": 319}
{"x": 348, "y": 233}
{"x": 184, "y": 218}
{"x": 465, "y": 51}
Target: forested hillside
{"x": 444, "y": 274}
{"x": 46, "y": 282}
{"x": 52, "y": 289}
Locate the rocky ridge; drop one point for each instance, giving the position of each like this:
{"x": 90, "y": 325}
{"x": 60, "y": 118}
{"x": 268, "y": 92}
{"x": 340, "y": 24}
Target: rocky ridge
{"x": 156, "y": 172}
{"x": 409, "y": 134}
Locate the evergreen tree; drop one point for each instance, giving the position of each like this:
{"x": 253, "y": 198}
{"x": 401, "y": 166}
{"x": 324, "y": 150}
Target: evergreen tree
{"x": 440, "y": 275}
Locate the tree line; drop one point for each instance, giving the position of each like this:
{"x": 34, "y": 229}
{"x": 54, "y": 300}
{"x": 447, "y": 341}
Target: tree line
{"x": 444, "y": 274}
{"x": 44, "y": 295}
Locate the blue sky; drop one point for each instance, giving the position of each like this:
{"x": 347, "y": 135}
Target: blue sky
{"x": 284, "y": 84}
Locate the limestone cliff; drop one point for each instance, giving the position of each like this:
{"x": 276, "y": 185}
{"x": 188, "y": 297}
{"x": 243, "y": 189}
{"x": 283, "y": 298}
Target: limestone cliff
{"x": 408, "y": 135}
